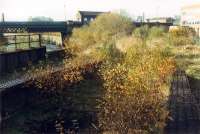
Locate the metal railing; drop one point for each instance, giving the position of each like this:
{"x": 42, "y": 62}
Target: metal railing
{"x": 20, "y": 42}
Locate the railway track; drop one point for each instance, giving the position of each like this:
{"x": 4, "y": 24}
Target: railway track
{"x": 183, "y": 106}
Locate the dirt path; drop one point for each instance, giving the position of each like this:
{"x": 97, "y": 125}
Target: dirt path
{"x": 184, "y": 109}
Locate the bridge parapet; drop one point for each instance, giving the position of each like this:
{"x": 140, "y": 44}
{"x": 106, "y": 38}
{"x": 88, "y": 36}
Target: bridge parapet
{"x": 31, "y": 27}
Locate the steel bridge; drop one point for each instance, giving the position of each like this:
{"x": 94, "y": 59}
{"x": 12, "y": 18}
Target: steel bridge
{"x": 63, "y": 27}
{"x": 55, "y": 26}
{"x": 32, "y": 27}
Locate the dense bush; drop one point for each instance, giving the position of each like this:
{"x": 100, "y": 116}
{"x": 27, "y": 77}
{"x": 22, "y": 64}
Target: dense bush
{"x": 134, "y": 99}
{"x": 103, "y": 31}
{"x": 146, "y": 33}
{"x": 156, "y": 32}
{"x": 53, "y": 79}
{"x": 134, "y": 73}
{"x": 111, "y": 27}
{"x": 182, "y": 36}
{"x": 141, "y": 32}
{"x": 182, "y": 31}
{"x": 123, "y": 44}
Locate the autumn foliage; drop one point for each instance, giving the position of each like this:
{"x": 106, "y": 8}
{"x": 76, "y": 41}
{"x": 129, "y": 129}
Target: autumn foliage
{"x": 134, "y": 99}
{"x": 58, "y": 79}
{"x": 135, "y": 74}
{"x": 182, "y": 36}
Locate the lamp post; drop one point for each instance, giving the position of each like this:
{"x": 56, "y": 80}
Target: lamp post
{"x": 65, "y": 12}
{"x": 3, "y": 17}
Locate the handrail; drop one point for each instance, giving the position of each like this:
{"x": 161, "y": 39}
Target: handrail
{"x": 28, "y": 42}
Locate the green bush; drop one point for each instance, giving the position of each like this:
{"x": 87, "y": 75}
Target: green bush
{"x": 146, "y": 32}
{"x": 105, "y": 29}
{"x": 141, "y": 32}
{"x": 111, "y": 27}
{"x": 156, "y": 32}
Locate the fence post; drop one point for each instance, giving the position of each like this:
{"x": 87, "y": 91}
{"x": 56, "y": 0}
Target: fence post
{"x": 29, "y": 41}
{"x": 15, "y": 38}
{"x": 40, "y": 42}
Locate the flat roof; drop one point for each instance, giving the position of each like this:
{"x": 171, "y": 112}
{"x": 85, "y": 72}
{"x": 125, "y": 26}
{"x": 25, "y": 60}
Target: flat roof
{"x": 90, "y": 12}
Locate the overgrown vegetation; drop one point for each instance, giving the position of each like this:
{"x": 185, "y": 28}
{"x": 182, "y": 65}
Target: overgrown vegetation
{"x": 182, "y": 36}
{"x": 103, "y": 31}
{"x": 184, "y": 46}
{"x": 135, "y": 91}
{"x": 135, "y": 73}
{"x": 134, "y": 66}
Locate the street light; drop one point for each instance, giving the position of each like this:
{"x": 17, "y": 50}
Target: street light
{"x": 65, "y": 12}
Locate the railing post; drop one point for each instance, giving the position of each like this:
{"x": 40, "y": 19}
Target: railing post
{"x": 15, "y": 38}
{"x": 29, "y": 41}
{"x": 40, "y": 42}
{"x": 63, "y": 37}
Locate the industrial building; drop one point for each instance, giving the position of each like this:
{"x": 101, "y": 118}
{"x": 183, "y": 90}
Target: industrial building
{"x": 190, "y": 16}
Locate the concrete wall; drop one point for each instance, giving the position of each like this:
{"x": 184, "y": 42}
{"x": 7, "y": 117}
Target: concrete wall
{"x": 14, "y": 60}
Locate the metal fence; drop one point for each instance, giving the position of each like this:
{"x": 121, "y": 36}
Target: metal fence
{"x": 21, "y": 42}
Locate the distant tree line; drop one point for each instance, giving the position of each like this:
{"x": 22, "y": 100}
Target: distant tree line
{"x": 40, "y": 18}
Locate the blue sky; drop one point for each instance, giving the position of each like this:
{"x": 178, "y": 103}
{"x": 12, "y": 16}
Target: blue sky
{"x": 23, "y": 9}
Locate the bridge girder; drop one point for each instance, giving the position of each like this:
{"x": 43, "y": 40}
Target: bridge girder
{"x": 32, "y": 27}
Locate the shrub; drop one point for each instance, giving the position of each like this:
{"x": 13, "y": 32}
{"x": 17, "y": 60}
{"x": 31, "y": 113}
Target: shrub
{"x": 111, "y": 27}
{"x": 141, "y": 32}
{"x": 181, "y": 36}
{"x": 105, "y": 29}
{"x": 134, "y": 91}
{"x": 156, "y": 32}
{"x": 53, "y": 79}
{"x": 81, "y": 39}
{"x": 182, "y": 32}
{"x": 125, "y": 43}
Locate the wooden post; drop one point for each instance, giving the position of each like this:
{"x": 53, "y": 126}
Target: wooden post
{"x": 29, "y": 41}
{"x": 15, "y": 38}
{"x": 63, "y": 37}
{"x": 40, "y": 41}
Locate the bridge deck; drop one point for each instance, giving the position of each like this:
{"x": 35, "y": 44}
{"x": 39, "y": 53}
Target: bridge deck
{"x": 20, "y": 79}
{"x": 184, "y": 108}
{"x": 55, "y": 26}
{"x": 43, "y": 26}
